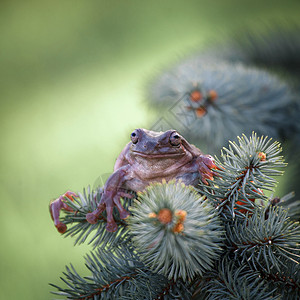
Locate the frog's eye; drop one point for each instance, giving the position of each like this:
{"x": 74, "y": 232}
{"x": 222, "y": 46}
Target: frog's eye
{"x": 134, "y": 137}
{"x": 175, "y": 139}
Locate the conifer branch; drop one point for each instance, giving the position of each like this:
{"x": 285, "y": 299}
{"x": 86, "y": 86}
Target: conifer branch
{"x": 211, "y": 100}
{"x": 119, "y": 275}
{"x": 245, "y": 171}
{"x": 175, "y": 236}
{"x": 290, "y": 203}
{"x": 231, "y": 281}
{"x": 265, "y": 241}
{"x": 81, "y": 229}
{"x": 286, "y": 280}
{"x": 177, "y": 233}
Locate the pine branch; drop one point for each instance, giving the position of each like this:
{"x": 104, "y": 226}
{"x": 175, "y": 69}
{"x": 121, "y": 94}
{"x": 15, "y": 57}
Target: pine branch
{"x": 286, "y": 280}
{"x": 290, "y": 203}
{"x": 265, "y": 241}
{"x": 119, "y": 275}
{"x": 245, "y": 171}
{"x": 232, "y": 281}
{"x": 177, "y": 233}
{"x": 212, "y": 101}
{"x": 81, "y": 229}
{"x": 242, "y": 73}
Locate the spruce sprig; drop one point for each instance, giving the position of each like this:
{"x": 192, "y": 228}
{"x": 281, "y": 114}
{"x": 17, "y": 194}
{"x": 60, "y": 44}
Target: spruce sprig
{"x": 81, "y": 229}
{"x": 176, "y": 236}
{"x": 233, "y": 281}
{"x": 246, "y": 169}
{"x": 211, "y": 100}
{"x": 176, "y": 231}
{"x": 265, "y": 241}
{"x": 119, "y": 275}
{"x": 286, "y": 280}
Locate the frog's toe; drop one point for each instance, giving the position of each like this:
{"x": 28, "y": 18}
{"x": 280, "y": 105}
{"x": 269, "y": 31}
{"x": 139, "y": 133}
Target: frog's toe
{"x": 111, "y": 226}
{"x": 61, "y": 227}
{"x": 124, "y": 214}
{"x": 70, "y": 195}
{"x": 205, "y": 177}
{"x": 122, "y": 211}
{"x": 91, "y": 218}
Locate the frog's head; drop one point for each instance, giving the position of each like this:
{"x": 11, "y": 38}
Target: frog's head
{"x": 152, "y": 144}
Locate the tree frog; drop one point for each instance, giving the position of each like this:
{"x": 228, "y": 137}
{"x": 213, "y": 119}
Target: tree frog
{"x": 150, "y": 156}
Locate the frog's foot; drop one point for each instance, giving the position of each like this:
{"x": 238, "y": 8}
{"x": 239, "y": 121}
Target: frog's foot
{"x": 56, "y": 206}
{"x": 107, "y": 203}
{"x": 206, "y": 164}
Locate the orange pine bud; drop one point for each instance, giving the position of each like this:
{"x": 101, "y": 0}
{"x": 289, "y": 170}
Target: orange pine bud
{"x": 212, "y": 94}
{"x": 165, "y": 216}
{"x": 181, "y": 214}
{"x": 200, "y": 111}
{"x": 262, "y": 156}
{"x": 178, "y": 228}
{"x": 195, "y": 96}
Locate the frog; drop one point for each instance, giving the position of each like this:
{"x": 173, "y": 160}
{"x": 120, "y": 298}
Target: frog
{"x": 149, "y": 157}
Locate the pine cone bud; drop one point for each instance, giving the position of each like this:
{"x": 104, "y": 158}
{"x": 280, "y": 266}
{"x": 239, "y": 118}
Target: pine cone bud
{"x": 195, "y": 96}
{"x": 172, "y": 224}
{"x": 262, "y": 156}
{"x": 165, "y": 216}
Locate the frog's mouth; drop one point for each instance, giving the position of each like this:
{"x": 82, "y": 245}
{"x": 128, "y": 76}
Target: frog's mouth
{"x": 159, "y": 155}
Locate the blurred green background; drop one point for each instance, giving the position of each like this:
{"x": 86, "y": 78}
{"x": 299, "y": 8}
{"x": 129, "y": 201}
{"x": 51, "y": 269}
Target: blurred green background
{"x": 72, "y": 81}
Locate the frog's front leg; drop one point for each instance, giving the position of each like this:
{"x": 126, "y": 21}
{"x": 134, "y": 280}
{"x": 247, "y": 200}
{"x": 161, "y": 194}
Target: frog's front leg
{"x": 110, "y": 198}
{"x": 206, "y": 164}
{"x": 56, "y": 206}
